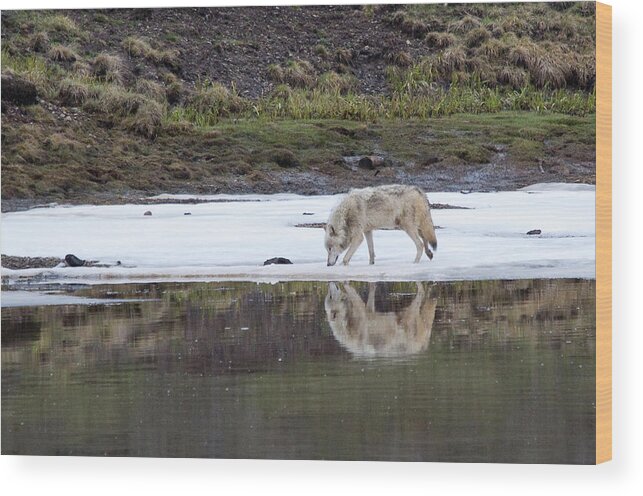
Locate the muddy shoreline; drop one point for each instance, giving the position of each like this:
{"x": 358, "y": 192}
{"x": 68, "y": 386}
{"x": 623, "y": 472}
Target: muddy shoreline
{"x": 466, "y": 179}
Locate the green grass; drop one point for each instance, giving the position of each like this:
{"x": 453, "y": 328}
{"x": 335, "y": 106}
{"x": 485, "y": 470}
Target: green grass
{"x": 80, "y": 157}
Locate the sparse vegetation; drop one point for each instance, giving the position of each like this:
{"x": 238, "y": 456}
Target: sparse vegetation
{"x": 137, "y": 47}
{"x": 464, "y": 59}
{"x": 62, "y": 53}
{"x": 296, "y": 73}
{"x": 73, "y": 92}
{"x": 108, "y": 68}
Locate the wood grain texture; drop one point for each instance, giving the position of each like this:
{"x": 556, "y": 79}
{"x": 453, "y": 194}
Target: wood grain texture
{"x": 603, "y": 233}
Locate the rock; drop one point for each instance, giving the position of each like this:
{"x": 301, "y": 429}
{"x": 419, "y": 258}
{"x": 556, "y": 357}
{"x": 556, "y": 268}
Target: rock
{"x": 13, "y": 262}
{"x": 278, "y": 261}
{"x": 18, "y": 90}
{"x": 371, "y": 162}
{"x": 147, "y": 213}
{"x": 74, "y": 261}
{"x": 308, "y": 213}
{"x": 534, "y": 231}
{"x": 187, "y": 213}
{"x": 312, "y": 224}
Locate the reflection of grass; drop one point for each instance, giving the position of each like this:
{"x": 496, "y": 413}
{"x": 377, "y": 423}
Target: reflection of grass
{"x": 170, "y": 370}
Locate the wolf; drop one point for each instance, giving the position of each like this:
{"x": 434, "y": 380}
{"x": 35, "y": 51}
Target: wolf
{"x": 366, "y": 332}
{"x": 383, "y": 207}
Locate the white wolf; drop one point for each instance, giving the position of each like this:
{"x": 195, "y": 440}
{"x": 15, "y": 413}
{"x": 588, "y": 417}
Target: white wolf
{"x": 383, "y": 207}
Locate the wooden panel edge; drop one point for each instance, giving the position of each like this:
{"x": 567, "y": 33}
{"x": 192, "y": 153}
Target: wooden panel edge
{"x": 603, "y": 232}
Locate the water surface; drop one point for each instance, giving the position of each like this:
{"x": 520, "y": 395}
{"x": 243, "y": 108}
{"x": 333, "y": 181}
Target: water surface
{"x": 477, "y": 371}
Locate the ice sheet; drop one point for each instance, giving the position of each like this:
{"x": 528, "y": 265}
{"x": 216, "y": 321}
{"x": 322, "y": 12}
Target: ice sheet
{"x": 40, "y": 298}
{"x": 230, "y": 240}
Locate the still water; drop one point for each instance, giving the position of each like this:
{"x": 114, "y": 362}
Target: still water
{"x": 475, "y": 371}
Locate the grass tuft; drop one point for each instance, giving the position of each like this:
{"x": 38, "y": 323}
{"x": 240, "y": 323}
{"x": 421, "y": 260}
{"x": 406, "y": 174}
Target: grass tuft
{"x": 439, "y": 39}
{"x": 39, "y": 41}
{"x": 513, "y": 77}
{"x": 297, "y": 73}
{"x": 464, "y": 25}
{"x": 476, "y": 37}
{"x": 152, "y": 89}
{"x": 148, "y": 119}
{"x": 60, "y": 23}
{"x": 108, "y": 68}
{"x": 332, "y": 82}
{"x": 344, "y": 56}
{"x": 62, "y": 53}
{"x": 138, "y": 47}
{"x": 400, "y": 58}
{"x": 73, "y": 92}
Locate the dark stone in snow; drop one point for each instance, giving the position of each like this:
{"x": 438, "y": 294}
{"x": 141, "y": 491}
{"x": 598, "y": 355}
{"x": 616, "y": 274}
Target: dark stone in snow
{"x": 278, "y": 261}
{"x": 74, "y": 261}
{"x": 534, "y": 231}
{"x": 148, "y": 213}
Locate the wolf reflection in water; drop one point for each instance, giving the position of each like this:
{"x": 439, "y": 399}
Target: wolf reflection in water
{"x": 365, "y": 332}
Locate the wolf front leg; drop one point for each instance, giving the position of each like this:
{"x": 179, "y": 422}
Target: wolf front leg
{"x": 371, "y": 251}
{"x": 354, "y": 245}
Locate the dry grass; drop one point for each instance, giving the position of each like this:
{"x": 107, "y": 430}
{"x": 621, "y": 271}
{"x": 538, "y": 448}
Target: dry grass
{"x": 73, "y": 92}
{"x": 550, "y": 66}
{"x": 399, "y": 58}
{"x": 151, "y": 89}
{"x": 492, "y": 49}
{"x": 63, "y": 145}
{"x": 173, "y": 88}
{"x": 337, "y": 83}
{"x": 476, "y": 37}
{"x": 117, "y": 101}
{"x": 138, "y": 47}
{"x": 135, "y": 47}
{"x": 322, "y": 51}
{"x": 281, "y": 92}
{"x": 147, "y": 121}
{"x": 415, "y": 28}
{"x": 513, "y": 77}
{"x": 39, "y": 41}
{"x": 439, "y": 39}
{"x": 108, "y": 68}
{"x": 60, "y": 23}
{"x": 452, "y": 59}
{"x": 464, "y": 25}
{"x": 62, "y": 53}
{"x": 82, "y": 69}
{"x": 216, "y": 99}
{"x": 344, "y": 56}
{"x": 297, "y": 73}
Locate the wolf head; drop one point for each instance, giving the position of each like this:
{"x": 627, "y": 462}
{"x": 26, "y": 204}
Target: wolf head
{"x": 335, "y": 304}
{"x": 335, "y": 242}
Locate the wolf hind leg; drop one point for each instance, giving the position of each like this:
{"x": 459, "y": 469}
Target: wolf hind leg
{"x": 355, "y": 242}
{"x": 419, "y": 244}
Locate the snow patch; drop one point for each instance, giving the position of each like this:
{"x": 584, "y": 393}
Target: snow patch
{"x": 559, "y": 187}
{"x": 231, "y": 239}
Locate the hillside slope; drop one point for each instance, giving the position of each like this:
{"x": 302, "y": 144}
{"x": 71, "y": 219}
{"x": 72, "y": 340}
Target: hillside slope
{"x": 118, "y": 102}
